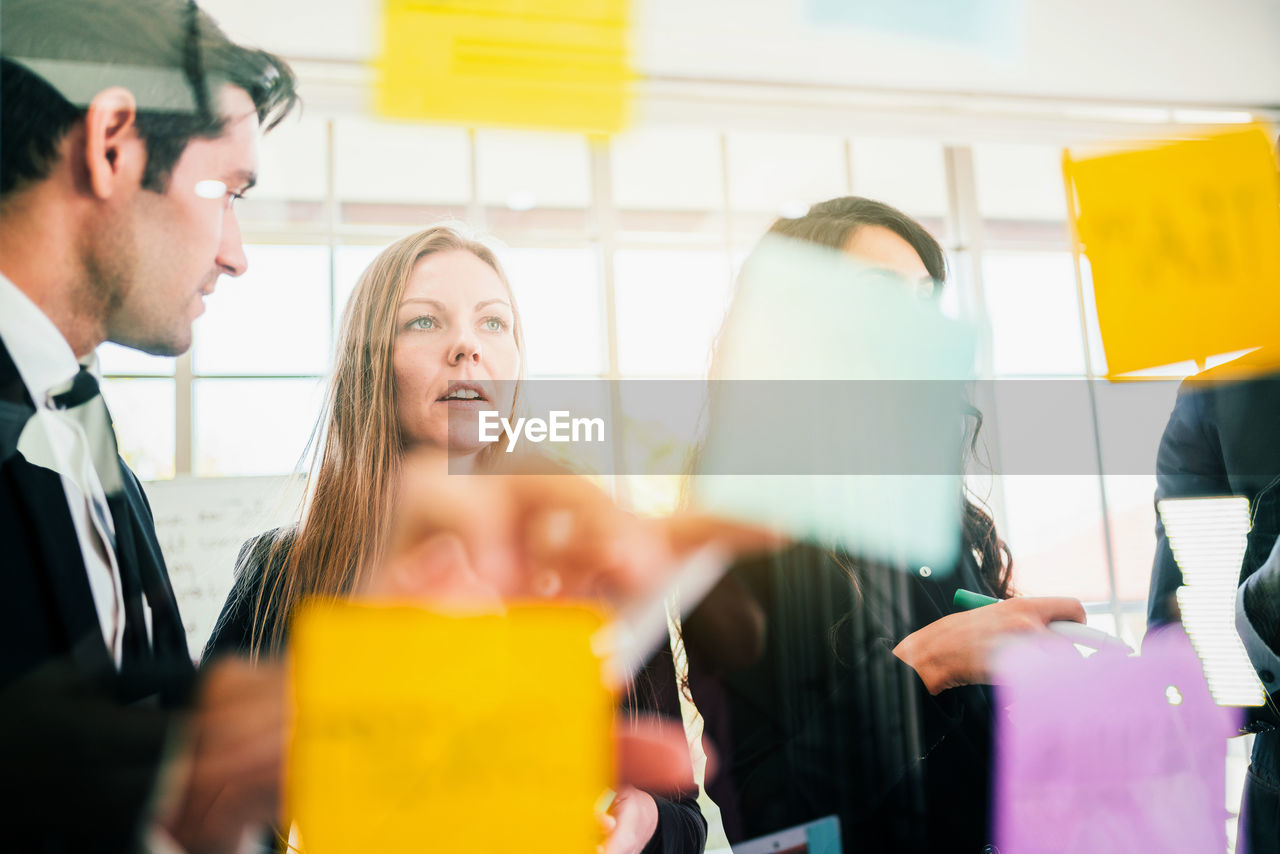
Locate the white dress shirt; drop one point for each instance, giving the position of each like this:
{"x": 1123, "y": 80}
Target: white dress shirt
{"x": 54, "y": 440}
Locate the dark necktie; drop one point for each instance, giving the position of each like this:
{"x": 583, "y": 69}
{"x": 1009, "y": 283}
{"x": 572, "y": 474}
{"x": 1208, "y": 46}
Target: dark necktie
{"x": 83, "y": 401}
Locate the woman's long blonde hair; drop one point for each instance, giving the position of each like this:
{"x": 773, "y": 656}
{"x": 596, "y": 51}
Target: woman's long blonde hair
{"x": 352, "y": 482}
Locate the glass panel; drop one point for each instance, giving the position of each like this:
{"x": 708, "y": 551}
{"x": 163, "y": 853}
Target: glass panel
{"x": 1131, "y": 508}
{"x": 906, "y": 173}
{"x": 115, "y": 359}
{"x": 143, "y": 414}
{"x": 667, "y": 170}
{"x": 1019, "y": 182}
{"x": 1054, "y": 529}
{"x": 533, "y": 181}
{"x": 1239, "y": 754}
{"x": 1034, "y": 313}
{"x": 1101, "y": 618}
{"x": 782, "y": 174}
{"x": 1133, "y": 626}
{"x": 377, "y": 161}
{"x": 670, "y": 308}
{"x": 668, "y": 181}
{"x": 558, "y": 293}
{"x": 273, "y": 320}
{"x": 1132, "y": 417}
{"x": 292, "y": 175}
{"x": 291, "y": 161}
{"x": 519, "y": 168}
{"x": 348, "y": 263}
{"x": 250, "y": 427}
{"x": 950, "y": 302}
{"x": 1097, "y": 356}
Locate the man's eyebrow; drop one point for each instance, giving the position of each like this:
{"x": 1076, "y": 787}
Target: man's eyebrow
{"x": 242, "y": 178}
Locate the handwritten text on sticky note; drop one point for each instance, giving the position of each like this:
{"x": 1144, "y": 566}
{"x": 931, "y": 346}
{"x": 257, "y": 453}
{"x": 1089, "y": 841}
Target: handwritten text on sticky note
{"x": 559, "y": 65}
{"x": 1183, "y": 242}
{"x": 420, "y": 731}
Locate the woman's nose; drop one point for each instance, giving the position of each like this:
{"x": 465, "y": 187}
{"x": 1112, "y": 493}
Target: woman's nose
{"x": 467, "y": 349}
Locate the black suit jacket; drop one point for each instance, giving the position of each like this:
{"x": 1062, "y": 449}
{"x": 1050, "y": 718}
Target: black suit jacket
{"x": 1223, "y": 438}
{"x": 80, "y": 743}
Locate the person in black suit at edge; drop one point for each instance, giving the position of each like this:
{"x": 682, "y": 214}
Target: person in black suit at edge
{"x": 1221, "y": 440}
{"x": 127, "y": 131}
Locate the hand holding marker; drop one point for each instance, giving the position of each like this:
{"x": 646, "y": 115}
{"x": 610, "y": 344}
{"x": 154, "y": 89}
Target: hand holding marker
{"x": 1079, "y": 633}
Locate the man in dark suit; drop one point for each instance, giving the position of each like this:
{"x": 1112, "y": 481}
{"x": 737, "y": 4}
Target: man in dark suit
{"x": 127, "y": 129}
{"x": 1221, "y": 440}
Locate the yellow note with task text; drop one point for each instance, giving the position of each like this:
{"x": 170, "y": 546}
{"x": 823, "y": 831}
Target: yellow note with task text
{"x": 540, "y": 64}
{"x": 1183, "y": 244}
{"x": 418, "y": 731}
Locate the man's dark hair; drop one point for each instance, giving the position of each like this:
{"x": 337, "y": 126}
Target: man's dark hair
{"x": 55, "y": 54}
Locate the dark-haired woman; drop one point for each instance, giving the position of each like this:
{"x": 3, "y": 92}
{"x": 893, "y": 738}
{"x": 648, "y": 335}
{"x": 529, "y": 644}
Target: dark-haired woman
{"x": 831, "y": 685}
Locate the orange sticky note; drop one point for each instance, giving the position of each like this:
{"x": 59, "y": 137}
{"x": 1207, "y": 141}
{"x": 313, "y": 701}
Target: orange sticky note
{"x": 554, "y": 64}
{"x": 1183, "y": 242}
{"x": 419, "y": 731}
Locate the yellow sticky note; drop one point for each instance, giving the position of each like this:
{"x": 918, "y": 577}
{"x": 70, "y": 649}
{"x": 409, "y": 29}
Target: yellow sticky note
{"x": 424, "y": 732}
{"x": 550, "y": 64}
{"x": 1183, "y": 242}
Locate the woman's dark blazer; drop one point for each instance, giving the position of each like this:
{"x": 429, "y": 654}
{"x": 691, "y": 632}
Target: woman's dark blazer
{"x": 826, "y": 720}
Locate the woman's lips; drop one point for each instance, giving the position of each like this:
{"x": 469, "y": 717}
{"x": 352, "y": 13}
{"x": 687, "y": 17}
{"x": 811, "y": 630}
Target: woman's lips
{"x": 476, "y": 403}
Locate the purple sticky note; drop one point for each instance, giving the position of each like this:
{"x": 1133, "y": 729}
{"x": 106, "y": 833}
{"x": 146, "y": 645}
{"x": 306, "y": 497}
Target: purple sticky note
{"x": 1109, "y": 753}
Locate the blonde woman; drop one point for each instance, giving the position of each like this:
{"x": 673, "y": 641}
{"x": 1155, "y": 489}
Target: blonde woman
{"x": 431, "y": 335}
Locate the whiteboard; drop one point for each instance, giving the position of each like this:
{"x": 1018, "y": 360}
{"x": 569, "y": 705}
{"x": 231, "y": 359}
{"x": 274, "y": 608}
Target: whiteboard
{"x": 201, "y": 523}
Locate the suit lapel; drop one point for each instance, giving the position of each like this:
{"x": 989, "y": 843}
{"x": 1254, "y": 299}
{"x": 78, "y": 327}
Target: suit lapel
{"x": 40, "y": 490}
{"x": 16, "y": 407}
{"x": 13, "y": 420}
{"x": 169, "y": 637}
{"x": 60, "y": 547}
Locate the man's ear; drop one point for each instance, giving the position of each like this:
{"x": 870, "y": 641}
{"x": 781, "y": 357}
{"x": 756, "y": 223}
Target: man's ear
{"x": 113, "y": 150}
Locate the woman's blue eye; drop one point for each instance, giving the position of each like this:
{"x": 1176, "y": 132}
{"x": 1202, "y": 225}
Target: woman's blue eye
{"x": 424, "y": 322}
{"x": 494, "y": 324}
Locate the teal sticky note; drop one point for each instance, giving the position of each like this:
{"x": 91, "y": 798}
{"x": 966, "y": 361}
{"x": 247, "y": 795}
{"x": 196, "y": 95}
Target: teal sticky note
{"x": 992, "y": 26}
{"x": 837, "y": 407}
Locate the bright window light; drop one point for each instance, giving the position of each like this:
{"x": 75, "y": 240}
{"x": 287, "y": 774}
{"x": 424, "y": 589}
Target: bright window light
{"x": 1208, "y": 537}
